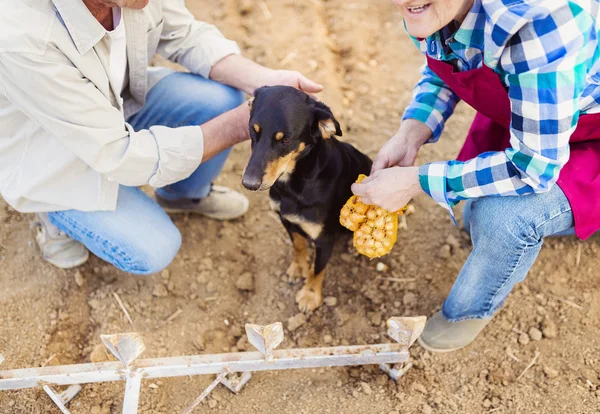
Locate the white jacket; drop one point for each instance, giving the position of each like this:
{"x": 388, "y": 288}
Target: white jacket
{"x": 64, "y": 142}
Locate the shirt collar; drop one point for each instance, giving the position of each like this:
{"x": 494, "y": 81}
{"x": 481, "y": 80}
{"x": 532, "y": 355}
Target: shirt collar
{"x": 82, "y": 26}
{"x": 471, "y": 31}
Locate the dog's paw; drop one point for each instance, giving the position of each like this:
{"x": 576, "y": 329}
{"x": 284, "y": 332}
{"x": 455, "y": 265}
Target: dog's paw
{"x": 308, "y": 300}
{"x": 296, "y": 272}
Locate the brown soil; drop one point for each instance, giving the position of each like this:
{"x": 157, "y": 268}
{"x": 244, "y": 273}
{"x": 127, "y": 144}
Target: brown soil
{"x": 360, "y": 52}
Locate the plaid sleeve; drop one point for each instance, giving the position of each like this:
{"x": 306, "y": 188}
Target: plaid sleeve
{"x": 545, "y": 66}
{"x": 432, "y": 103}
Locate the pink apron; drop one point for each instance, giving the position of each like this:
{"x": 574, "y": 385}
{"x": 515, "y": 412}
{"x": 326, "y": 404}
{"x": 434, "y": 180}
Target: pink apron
{"x": 579, "y": 178}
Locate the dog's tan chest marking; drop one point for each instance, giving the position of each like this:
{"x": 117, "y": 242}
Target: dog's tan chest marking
{"x": 313, "y": 230}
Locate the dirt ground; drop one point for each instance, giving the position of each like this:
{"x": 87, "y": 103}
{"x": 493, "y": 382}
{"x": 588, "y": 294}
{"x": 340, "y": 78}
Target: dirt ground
{"x": 359, "y": 51}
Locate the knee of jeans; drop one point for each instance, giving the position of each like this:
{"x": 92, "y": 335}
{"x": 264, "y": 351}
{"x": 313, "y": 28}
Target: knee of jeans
{"x": 501, "y": 219}
{"x": 152, "y": 256}
{"x": 226, "y": 98}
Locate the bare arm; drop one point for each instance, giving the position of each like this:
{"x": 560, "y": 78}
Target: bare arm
{"x": 225, "y": 131}
{"x": 246, "y": 75}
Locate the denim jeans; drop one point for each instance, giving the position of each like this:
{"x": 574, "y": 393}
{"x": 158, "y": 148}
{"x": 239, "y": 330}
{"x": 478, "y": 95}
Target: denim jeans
{"x": 507, "y": 235}
{"x": 139, "y": 237}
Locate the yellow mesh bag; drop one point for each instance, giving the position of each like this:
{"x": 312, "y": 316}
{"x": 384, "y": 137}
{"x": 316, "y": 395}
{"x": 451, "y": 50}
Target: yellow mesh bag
{"x": 375, "y": 229}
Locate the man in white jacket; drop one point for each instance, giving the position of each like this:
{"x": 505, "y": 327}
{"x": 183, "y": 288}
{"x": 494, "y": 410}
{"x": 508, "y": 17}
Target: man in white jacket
{"x": 85, "y": 121}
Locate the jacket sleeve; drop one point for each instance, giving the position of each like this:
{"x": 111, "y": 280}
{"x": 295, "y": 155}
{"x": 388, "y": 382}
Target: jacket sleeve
{"x": 195, "y": 45}
{"x": 56, "y": 95}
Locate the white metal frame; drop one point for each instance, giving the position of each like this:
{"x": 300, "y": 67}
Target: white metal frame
{"x": 129, "y": 346}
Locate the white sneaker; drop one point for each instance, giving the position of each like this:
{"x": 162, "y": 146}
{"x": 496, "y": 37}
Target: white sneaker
{"x": 56, "y": 247}
{"x": 221, "y": 203}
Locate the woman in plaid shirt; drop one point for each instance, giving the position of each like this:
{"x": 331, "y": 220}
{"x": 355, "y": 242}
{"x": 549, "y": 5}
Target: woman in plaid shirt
{"x": 530, "y": 166}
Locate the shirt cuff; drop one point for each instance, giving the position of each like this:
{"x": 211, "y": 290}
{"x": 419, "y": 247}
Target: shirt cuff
{"x": 180, "y": 152}
{"x": 432, "y": 178}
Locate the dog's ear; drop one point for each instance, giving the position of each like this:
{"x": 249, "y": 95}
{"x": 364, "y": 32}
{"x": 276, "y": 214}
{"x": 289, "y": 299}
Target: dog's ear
{"x": 324, "y": 122}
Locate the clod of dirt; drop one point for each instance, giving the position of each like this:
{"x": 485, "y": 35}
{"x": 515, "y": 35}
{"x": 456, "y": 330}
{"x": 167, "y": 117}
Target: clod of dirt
{"x": 160, "y": 291}
{"x": 549, "y": 329}
{"x": 327, "y": 339}
{"x": 165, "y": 274}
{"x": 366, "y": 388}
{"x": 419, "y": 388}
{"x": 409, "y": 299}
{"x": 523, "y": 339}
{"x": 199, "y": 343}
{"x": 375, "y": 318}
{"x": 445, "y": 251}
{"x": 550, "y": 372}
{"x": 535, "y": 334}
{"x": 296, "y": 321}
{"x": 426, "y": 409}
{"x": 453, "y": 242}
{"x": 99, "y": 354}
{"x": 79, "y": 278}
{"x": 242, "y": 344}
{"x": 245, "y": 282}
{"x": 330, "y": 301}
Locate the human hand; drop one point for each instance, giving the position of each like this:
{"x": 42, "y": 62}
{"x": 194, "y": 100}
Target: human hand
{"x": 291, "y": 78}
{"x": 391, "y": 188}
{"x": 402, "y": 149}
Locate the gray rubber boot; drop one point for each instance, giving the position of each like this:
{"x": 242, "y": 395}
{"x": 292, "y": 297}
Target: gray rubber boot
{"x": 441, "y": 335}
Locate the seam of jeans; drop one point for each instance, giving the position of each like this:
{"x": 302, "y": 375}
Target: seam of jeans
{"x": 84, "y": 230}
{"x": 568, "y": 210}
{"x": 492, "y": 309}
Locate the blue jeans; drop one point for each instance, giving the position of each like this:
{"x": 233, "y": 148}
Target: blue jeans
{"x": 139, "y": 237}
{"x": 507, "y": 235}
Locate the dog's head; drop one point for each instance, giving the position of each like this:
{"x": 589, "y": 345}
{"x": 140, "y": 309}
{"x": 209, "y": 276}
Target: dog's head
{"x": 285, "y": 124}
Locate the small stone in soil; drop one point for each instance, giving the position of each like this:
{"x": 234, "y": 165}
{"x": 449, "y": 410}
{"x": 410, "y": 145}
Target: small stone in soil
{"x": 419, "y": 388}
{"x": 426, "y": 409}
{"x": 382, "y": 267}
{"x": 330, "y": 301}
{"x": 550, "y": 372}
{"x": 366, "y": 388}
{"x": 445, "y": 251}
{"x": 160, "y": 291}
{"x": 296, "y": 321}
{"x": 98, "y": 354}
{"x": 535, "y": 334}
{"x": 327, "y": 339}
{"x": 245, "y": 282}
{"x": 375, "y": 318}
{"x": 79, "y": 278}
{"x": 549, "y": 329}
{"x": 165, "y": 274}
{"x": 523, "y": 339}
{"x": 409, "y": 299}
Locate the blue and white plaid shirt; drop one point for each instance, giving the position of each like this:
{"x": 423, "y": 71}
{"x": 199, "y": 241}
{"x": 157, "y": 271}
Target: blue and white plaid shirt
{"x": 546, "y": 54}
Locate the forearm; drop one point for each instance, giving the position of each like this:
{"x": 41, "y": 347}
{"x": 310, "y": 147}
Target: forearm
{"x": 413, "y": 132}
{"x": 225, "y": 131}
{"x": 240, "y": 72}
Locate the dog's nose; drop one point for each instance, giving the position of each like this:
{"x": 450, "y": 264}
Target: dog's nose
{"x": 251, "y": 183}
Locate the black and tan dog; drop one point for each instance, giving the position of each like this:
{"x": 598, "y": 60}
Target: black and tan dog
{"x": 309, "y": 174}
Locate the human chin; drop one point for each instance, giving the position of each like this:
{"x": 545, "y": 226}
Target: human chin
{"x": 421, "y": 30}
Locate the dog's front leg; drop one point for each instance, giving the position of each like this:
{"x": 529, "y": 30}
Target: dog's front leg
{"x": 310, "y": 296}
{"x": 299, "y": 268}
